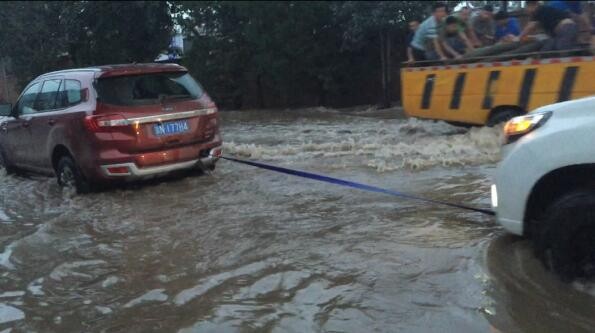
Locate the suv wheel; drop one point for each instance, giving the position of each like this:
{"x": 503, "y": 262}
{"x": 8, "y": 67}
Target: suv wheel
{"x": 4, "y": 164}
{"x": 565, "y": 236}
{"x": 501, "y": 117}
{"x": 69, "y": 175}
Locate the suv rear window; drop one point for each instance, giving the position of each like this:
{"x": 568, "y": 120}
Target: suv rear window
{"x": 147, "y": 89}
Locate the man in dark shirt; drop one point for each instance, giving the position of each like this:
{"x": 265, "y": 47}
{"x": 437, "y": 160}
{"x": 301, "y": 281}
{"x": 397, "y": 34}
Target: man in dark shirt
{"x": 556, "y": 23}
{"x": 453, "y": 39}
{"x": 484, "y": 25}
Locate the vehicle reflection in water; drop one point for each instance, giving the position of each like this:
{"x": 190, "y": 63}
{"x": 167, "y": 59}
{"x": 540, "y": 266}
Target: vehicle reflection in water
{"x": 245, "y": 250}
{"x": 529, "y": 299}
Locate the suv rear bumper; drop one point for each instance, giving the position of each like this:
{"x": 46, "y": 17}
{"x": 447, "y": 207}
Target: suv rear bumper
{"x": 131, "y": 170}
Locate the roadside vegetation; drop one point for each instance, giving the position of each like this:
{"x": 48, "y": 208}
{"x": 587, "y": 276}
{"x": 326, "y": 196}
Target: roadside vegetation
{"x": 247, "y": 55}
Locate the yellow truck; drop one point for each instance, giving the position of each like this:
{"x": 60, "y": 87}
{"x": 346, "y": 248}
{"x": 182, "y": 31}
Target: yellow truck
{"x": 487, "y": 93}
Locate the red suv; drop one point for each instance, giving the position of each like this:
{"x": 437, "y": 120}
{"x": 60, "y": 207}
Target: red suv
{"x": 111, "y": 123}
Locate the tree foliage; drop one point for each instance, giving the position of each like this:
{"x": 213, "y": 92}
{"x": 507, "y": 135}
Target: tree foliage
{"x": 294, "y": 53}
{"x": 382, "y": 24}
{"x": 247, "y": 54}
{"x": 36, "y": 34}
{"x": 284, "y": 50}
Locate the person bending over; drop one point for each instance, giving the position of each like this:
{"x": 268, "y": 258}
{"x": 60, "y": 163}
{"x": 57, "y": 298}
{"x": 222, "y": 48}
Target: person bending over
{"x": 556, "y": 23}
{"x": 507, "y": 28}
{"x": 425, "y": 44}
{"x": 484, "y": 25}
{"x": 453, "y": 39}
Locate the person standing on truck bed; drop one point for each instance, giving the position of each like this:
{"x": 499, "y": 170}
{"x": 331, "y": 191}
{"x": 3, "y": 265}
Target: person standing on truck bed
{"x": 425, "y": 45}
{"x": 413, "y": 26}
{"x": 556, "y": 23}
{"x": 484, "y": 25}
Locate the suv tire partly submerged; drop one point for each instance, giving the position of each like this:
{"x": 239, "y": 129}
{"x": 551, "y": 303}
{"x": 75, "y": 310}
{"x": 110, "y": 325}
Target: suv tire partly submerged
{"x": 564, "y": 238}
{"x": 70, "y": 176}
{"x": 4, "y": 164}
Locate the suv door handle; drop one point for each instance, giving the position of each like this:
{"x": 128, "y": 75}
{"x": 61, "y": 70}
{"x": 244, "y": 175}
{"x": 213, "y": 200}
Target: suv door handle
{"x": 25, "y": 123}
{"x": 51, "y": 122}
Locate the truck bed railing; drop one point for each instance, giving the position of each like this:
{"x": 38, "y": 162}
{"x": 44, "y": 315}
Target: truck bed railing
{"x": 502, "y": 57}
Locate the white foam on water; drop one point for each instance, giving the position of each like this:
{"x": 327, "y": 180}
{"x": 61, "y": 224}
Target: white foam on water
{"x": 477, "y": 146}
{"x": 5, "y": 256}
{"x": 585, "y": 287}
{"x": 9, "y": 294}
{"x": 299, "y": 311}
{"x": 36, "y": 287}
{"x": 3, "y": 216}
{"x": 403, "y": 144}
{"x": 9, "y": 313}
{"x": 110, "y": 281}
{"x": 213, "y": 281}
{"x": 281, "y": 281}
{"x": 155, "y": 295}
{"x": 68, "y": 269}
{"x": 103, "y": 309}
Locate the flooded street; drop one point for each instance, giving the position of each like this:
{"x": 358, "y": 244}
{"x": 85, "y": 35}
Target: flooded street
{"x": 248, "y": 250}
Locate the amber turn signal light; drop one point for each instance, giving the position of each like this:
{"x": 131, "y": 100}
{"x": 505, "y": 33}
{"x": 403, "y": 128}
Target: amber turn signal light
{"x": 520, "y": 126}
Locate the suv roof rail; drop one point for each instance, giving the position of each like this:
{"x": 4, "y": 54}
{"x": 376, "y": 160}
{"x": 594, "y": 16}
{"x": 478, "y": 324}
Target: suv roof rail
{"x": 88, "y": 69}
{"x": 102, "y": 68}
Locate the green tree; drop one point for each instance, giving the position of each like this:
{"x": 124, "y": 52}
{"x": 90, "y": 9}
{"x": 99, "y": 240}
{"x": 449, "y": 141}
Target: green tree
{"x": 107, "y": 32}
{"x": 377, "y": 23}
{"x": 275, "y": 53}
{"x": 35, "y": 34}
{"x": 295, "y": 53}
{"x": 219, "y": 56}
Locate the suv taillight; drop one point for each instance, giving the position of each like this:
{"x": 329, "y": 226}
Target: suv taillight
{"x": 106, "y": 123}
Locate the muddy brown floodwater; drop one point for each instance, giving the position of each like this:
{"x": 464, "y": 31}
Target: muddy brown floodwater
{"x": 247, "y": 250}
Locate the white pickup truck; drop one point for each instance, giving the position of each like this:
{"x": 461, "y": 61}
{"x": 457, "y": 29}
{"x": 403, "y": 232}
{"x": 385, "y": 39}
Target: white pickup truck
{"x": 545, "y": 185}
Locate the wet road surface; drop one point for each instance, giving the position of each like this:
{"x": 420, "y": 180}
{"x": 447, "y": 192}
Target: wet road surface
{"x": 246, "y": 250}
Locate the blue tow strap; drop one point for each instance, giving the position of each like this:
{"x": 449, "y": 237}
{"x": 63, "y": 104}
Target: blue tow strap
{"x": 351, "y": 184}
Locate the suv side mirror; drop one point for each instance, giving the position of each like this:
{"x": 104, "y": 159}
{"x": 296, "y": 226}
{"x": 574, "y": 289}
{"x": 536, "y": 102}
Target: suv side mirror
{"x": 5, "y": 110}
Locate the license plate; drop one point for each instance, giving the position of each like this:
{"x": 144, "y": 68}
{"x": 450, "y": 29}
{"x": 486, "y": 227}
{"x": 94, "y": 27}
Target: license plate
{"x": 172, "y": 127}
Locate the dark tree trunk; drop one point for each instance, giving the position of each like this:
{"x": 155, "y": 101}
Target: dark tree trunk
{"x": 400, "y": 54}
{"x": 385, "y": 68}
{"x": 4, "y": 80}
{"x": 321, "y": 93}
{"x": 238, "y": 101}
{"x": 389, "y": 70}
{"x": 382, "y": 71}
{"x": 260, "y": 93}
